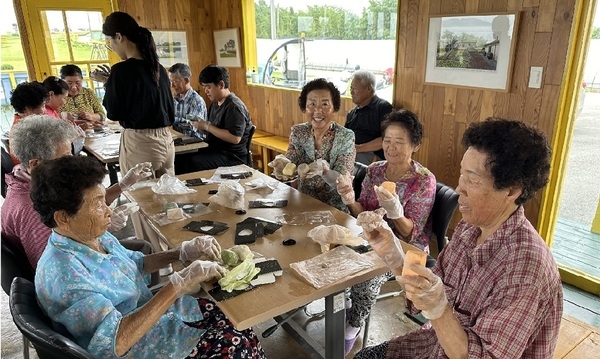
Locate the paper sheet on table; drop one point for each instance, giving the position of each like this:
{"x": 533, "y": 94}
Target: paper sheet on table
{"x": 331, "y": 266}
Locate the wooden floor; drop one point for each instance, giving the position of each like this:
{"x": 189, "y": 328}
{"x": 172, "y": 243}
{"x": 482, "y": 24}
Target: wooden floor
{"x": 577, "y": 340}
{"x": 576, "y": 246}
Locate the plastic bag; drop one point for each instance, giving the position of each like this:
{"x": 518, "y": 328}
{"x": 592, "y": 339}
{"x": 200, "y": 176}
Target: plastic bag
{"x": 261, "y": 183}
{"x": 333, "y": 235}
{"x": 168, "y": 184}
{"x": 331, "y": 266}
{"x": 230, "y": 195}
{"x": 175, "y": 212}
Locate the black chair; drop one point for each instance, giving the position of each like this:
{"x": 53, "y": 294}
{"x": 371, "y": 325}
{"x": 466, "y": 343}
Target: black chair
{"x": 15, "y": 264}
{"x": 446, "y": 201}
{"x": 7, "y": 166}
{"x": 249, "y": 161}
{"x": 360, "y": 171}
{"x": 37, "y": 327}
{"x": 444, "y": 205}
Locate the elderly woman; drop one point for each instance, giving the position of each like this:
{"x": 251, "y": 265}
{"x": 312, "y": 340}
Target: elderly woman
{"x": 495, "y": 291}
{"x": 58, "y": 91}
{"x": 97, "y": 289}
{"x": 28, "y": 98}
{"x": 42, "y": 138}
{"x": 321, "y": 138}
{"x": 408, "y": 208}
{"x": 82, "y": 103}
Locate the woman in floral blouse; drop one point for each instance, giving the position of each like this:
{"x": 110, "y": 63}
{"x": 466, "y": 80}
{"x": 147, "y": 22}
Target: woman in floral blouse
{"x": 97, "y": 289}
{"x": 407, "y": 210}
{"x": 321, "y": 138}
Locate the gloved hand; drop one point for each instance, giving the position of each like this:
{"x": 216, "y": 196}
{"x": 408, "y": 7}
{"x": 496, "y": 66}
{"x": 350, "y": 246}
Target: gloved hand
{"x": 118, "y": 220}
{"x": 390, "y": 202}
{"x": 205, "y": 247}
{"x": 188, "y": 279}
{"x": 426, "y": 291}
{"x": 138, "y": 172}
{"x": 315, "y": 168}
{"x": 383, "y": 241}
{"x": 345, "y": 189}
{"x": 101, "y": 74}
{"x": 278, "y": 164}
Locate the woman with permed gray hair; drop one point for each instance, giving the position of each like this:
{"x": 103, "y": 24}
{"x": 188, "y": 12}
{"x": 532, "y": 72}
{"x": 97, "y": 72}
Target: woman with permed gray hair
{"x": 495, "y": 291}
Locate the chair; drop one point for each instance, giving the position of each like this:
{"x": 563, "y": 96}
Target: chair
{"x": 444, "y": 205}
{"x": 7, "y": 166}
{"x": 249, "y": 161}
{"x": 15, "y": 264}
{"x": 37, "y": 327}
{"x": 360, "y": 171}
{"x": 446, "y": 201}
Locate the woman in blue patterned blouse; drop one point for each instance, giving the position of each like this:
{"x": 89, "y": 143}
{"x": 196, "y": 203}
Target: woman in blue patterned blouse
{"x": 321, "y": 138}
{"x": 97, "y": 289}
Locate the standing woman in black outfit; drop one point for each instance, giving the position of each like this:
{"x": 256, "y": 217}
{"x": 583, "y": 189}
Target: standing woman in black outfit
{"x": 138, "y": 95}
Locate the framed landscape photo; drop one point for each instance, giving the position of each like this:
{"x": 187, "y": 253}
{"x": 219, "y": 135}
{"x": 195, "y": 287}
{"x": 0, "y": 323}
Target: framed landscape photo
{"x": 471, "y": 51}
{"x": 227, "y": 47}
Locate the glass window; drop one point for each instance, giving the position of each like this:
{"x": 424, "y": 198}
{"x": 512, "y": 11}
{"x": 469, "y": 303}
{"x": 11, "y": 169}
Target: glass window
{"x": 297, "y": 41}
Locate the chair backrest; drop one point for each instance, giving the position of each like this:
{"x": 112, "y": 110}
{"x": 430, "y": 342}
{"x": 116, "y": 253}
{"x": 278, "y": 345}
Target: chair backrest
{"x": 14, "y": 264}
{"x": 37, "y": 327}
{"x": 249, "y": 155}
{"x": 446, "y": 201}
{"x": 7, "y": 166}
{"x": 360, "y": 171}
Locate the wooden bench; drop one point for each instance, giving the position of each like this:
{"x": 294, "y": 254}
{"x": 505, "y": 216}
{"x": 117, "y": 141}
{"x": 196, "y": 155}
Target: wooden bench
{"x": 577, "y": 339}
{"x": 268, "y": 142}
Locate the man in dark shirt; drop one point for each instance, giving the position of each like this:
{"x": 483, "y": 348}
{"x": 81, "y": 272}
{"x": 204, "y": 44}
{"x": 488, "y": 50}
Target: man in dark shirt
{"x": 227, "y": 128}
{"x": 365, "y": 118}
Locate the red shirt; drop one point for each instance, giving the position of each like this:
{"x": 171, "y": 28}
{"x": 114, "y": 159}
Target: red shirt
{"x": 506, "y": 293}
{"x": 51, "y": 112}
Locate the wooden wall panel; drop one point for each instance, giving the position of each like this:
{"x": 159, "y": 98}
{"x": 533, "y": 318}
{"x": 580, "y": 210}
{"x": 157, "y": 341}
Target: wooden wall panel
{"x": 542, "y": 40}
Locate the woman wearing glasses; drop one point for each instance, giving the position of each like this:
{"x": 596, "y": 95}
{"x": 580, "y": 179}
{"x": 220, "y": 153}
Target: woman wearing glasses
{"x": 82, "y": 105}
{"x": 138, "y": 95}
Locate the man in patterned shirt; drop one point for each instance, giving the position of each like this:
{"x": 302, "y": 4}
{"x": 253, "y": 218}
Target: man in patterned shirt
{"x": 188, "y": 104}
{"x": 495, "y": 291}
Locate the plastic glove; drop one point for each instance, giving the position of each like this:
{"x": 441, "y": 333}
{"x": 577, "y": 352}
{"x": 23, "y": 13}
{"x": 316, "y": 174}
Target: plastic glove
{"x": 426, "y": 291}
{"x": 101, "y": 74}
{"x": 315, "y": 168}
{"x": 278, "y": 164}
{"x": 345, "y": 189}
{"x": 118, "y": 220}
{"x": 138, "y": 172}
{"x": 188, "y": 279}
{"x": 390, "y": 202}
{"x": 382, "y": 240}
{"x": 201, "y": 246}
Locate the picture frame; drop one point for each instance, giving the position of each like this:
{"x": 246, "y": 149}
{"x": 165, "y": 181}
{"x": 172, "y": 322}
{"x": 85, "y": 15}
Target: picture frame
{"x": 474, "y": 51}
{"x": 171, "y": 47}
{"x": 227, "y": 47}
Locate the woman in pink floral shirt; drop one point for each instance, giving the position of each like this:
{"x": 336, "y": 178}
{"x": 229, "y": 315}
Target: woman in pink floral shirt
{"x": 407, "y": 210}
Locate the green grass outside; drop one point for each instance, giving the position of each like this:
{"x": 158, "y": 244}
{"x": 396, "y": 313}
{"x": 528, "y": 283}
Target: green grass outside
{"x": 12, "y": 51}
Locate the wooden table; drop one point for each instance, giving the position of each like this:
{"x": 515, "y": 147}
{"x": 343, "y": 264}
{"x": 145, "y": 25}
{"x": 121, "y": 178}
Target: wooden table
{"x": 270, "y": 143}
{"x": 96, "y": 146}
{"x": 289, "y": 291}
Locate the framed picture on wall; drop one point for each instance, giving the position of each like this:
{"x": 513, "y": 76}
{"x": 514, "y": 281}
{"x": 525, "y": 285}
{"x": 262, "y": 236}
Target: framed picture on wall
{"x": 471, "y": 51}
{"x": 171, "y": 47}
{"x": 227, "y": 47}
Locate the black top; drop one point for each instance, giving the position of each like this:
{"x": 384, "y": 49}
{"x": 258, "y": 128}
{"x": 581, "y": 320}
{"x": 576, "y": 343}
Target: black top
{"x": 366, "y": 121}
{"x": 233, "y": 116}
{"x": 133, "y": 99}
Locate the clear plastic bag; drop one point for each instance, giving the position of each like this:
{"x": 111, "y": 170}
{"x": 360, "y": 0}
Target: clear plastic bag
{"x": 331, "y": 266}
{"x": 188, "y": 210}
{"x": 333, "y": 235}
{"x": 309, "y": 217}
{"x": 230, "y": 195}
{"x": 168, "y": 184}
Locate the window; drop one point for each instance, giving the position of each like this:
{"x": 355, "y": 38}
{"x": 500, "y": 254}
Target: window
{"x": 297, "y": 41}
